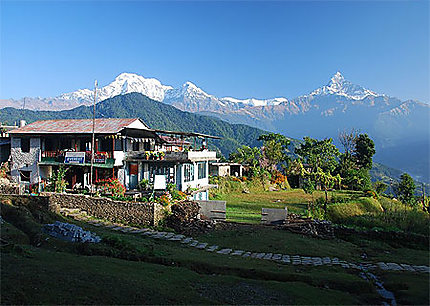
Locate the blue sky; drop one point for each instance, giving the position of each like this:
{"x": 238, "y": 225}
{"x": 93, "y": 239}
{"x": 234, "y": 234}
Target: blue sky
{"x": 241, "y": 49}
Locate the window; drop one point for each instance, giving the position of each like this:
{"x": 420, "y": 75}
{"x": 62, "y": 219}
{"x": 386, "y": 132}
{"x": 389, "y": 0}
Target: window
{"x": 201, "y": 170}
{"x": 25, "y": 176}
{"x": 188, "y": 172}
{"x": 135, "y": 146}
{"x": 25, "y": 145}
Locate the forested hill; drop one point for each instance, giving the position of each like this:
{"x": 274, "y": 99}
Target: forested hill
{"x": 156, "y": 114}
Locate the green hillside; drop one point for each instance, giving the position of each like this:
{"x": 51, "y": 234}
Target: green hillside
{"x": 156, "y": 114}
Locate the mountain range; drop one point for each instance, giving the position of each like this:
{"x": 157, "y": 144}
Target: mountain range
{"x": 399, "y": 128}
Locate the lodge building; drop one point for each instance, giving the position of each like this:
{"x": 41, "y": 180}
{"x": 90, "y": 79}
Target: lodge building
{"x": 126, "y": 149}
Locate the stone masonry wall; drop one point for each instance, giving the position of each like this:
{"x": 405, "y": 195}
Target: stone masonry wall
{"x": 103, "y": 208}
{"x": 107, "y": 209}
{"x": 25, "y": 161}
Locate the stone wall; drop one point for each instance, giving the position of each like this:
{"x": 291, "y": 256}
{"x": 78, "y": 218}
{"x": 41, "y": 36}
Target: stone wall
{"x": 102, "y": 208}
{"x": 33, "y": 202}
{"x": 7, "y": 187}
{"x": 116, "y": 211}
{"x": 25, "y": 161}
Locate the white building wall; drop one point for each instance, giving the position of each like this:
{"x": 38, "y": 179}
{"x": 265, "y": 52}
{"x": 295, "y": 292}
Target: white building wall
{"x": 196, "y": 183}
{"x": 25, "y": 161}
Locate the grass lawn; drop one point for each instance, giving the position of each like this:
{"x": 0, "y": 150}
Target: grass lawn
{"x": 57, "y": 272}
{"x": 246, "y": 208}
{"x": 183, "y": 276}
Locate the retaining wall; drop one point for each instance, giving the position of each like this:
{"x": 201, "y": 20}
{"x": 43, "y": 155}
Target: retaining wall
{"x": 102, "y": 208}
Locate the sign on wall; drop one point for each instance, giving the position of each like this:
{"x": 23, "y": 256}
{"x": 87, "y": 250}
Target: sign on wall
{"x": 74, "y": 158}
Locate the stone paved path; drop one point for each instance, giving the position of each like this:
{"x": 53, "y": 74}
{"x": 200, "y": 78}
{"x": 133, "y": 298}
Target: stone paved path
{"x": 280, "y": 258}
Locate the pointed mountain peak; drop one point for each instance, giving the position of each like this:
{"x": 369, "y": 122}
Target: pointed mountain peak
{"x": 337, "y": 78}
{"x": 189, "y": 84}
{"x": 126, "y": 75}
{"x": 340, "y": 87}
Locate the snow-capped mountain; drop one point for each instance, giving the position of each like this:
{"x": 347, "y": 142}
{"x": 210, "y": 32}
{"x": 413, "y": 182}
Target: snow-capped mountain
{"x": 340, "y": 87}
{"x": 255, "y": 102}
{"x": 188, "y": 97}
{"x": 123, "y": 84}
{"x": 191, "y": 98}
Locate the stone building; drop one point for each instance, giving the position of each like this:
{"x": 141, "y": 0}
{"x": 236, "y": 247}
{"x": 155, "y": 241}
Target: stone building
{"x": 126, "y": 149}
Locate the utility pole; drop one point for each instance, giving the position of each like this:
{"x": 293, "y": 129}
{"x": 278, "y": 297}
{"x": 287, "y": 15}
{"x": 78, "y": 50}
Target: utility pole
{"x": 93, "y": 138}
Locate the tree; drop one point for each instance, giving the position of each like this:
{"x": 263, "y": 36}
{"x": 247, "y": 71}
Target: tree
{"x": 318, "y": 154}
{"x": 274, "y": 150}
{"x": 406, "y": 189}
{"x": 364, "y": 151}
{"x": 357, "y": 179}
{"x": 356, "y": 161}
{"x": 321, "y": 158}
{"x": 380, "y": 187}
{"x": 348, "y": 140}
{"x": 247, "y": 155}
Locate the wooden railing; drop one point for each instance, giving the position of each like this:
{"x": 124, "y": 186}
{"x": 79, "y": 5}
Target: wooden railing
{"x": 60, "y": 153}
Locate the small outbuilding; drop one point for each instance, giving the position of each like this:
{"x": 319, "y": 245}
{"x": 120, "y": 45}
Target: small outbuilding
{"x": 226, "y": 169}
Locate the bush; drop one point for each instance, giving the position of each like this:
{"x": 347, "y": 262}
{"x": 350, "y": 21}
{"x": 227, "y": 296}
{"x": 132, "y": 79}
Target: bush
{"x": 111, "y": 187}
{"x": 144, "y": 184}
{"x": 175, "y": 193}
{"x": 164, "y": 199}
{"x": 380, "y": 187}
{"x": 279, "y": 179}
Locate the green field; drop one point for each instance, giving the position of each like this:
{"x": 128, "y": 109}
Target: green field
{"x": 243, "y": 207}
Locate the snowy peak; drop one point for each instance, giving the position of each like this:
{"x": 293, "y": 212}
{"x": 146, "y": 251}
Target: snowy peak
{"x": 341, "y": 87}
{"x": 123, "y": 84}
{"x": 255, "y": 102}
{"x": 188, "y": 90}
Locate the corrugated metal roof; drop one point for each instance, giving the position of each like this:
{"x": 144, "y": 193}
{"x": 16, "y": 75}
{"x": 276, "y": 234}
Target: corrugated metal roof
{"x": 174, "y": 141}
{"x": 74, "y": 126}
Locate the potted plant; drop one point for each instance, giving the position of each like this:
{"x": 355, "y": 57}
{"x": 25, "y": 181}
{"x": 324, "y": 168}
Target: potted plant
{"x": 162, "y": 155}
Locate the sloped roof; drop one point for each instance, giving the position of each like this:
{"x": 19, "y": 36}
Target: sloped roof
{"x": 174, "y": 141}
{"x": 77, "y": 126}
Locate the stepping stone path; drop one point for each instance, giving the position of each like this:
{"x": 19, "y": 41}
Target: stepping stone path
{"x": 280, "y": 258}
{"x": 212, "y": 248}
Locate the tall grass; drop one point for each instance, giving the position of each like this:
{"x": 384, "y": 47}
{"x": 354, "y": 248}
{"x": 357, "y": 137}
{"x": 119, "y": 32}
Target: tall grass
{"x": 382, "y": 214}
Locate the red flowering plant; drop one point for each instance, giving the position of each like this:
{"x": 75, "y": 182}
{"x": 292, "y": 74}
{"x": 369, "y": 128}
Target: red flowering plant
{"x": 164, "y": 199}
{"x": 110, "y": 187}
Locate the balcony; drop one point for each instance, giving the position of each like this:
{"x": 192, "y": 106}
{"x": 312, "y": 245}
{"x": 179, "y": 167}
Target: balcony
{"x": 101, "y": 159}
{"x": 181, "y": 156}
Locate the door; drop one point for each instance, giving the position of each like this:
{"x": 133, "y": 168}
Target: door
{"x": 133, "y": 170}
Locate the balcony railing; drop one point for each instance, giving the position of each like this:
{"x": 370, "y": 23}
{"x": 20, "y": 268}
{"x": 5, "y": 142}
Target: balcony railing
{"x": 60, "y": 156}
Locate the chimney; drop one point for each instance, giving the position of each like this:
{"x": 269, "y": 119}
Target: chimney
{"x": 22, "y": 123}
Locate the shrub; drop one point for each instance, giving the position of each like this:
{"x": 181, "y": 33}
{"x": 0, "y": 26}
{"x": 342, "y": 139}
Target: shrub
{"x": 110, "y": 186}
{"x": 57, "y": 182}
{"x": 164, "y": 199}
{"x": 371, "y": 194}
{"x": 144, "y": 184}
{"x": 279, "y": 179}
{"x": 380, "y": 187}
